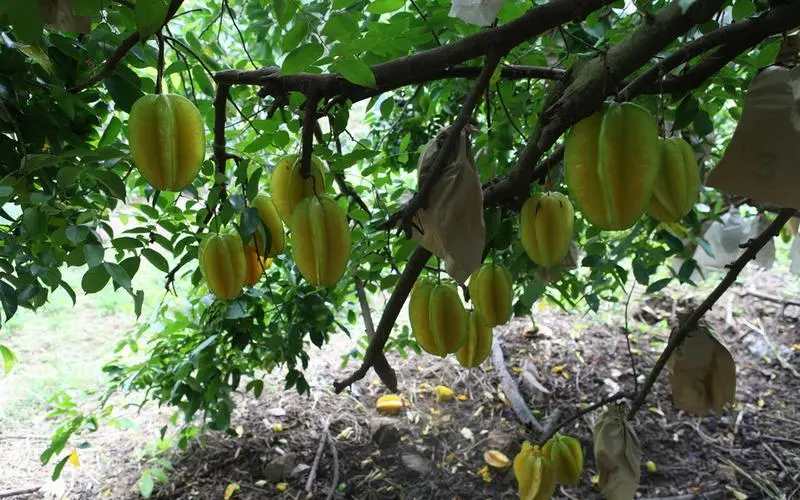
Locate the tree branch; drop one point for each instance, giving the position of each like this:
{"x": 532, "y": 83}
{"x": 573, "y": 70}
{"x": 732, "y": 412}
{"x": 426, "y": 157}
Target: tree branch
{"x": 220, "y": 155}
{"x": 309, "y": 125}
{"x": 420, "y": 66}
{"x": 691, "y": 322}
{"x": 116, "y": 57}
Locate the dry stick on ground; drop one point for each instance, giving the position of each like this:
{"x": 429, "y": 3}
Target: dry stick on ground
{"x": 20, "y": 492}
{"x": 788, "y": 366}
{"x": 511, "y": 389}
{"x": 320, "y": 448}
{"x": 691, "y": 322}
{"x": 116, "y": 57}
{"x": 335, "y": 455}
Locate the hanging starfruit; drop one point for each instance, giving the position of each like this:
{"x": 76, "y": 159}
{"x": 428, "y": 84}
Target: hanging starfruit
{"x": 437, "y": 316}
{"x": 491, "y": 293}
{"x": 678, "y": 183}
{"x": 611, "y": 161}
{"x": 702, "y": 373}
{"x": 269, "y": 216}
{"x": 223, "y": 264}
{"x": 289, "y": 187}
{"x": 256, "y": 265}
{"x": 536, "y": 477}
{"x": 545, "y": 225}
{"x": 167, "y": 140}
{"x": 321, "y": 240}
{"x": 478, "y": 343}
{"x": 566, "y": 455}
{"x": 618, "y": 455}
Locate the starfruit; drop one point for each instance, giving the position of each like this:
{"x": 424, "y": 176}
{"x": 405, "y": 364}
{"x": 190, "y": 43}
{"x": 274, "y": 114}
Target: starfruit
{"x": 478, "y": 343}
{"x": 167, "y": 140}
{"x": 678, "y": 183}
{"x": 321, "y": 240}
{"x": 289, "y": 187}
{"x": 545, "y": 228}
{"x": 270, "y": 218}
{"x": 437, "y": 316}
{"x": 389, "y": 403}
{"x": 256, "y": 265}
{"x": 496, "y": 459}
{"x": 536, "y": 477}
{"x": 618, "y": 455}
{"x": 223, "y": 264}
{"x": 611, "y": 161}
{"x": 566, "y": 455}
{"x": 491, "y": 292}
{"x": 702, "y": 373}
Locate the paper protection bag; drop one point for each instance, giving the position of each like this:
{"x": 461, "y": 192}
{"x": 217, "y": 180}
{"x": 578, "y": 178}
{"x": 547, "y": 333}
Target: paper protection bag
{"x": 452, "y": 224}
{"x": 480, "y": 12}
{"x": 762, "y": 161}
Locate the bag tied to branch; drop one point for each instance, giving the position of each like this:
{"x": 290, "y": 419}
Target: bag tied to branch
{"x": 761, "y": 159}
{"x": 480, "y": 12}
{"x": 618, "y": 455}
{"x": 452, "y": 223}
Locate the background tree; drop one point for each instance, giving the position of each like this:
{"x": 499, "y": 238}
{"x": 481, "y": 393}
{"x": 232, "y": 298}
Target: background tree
{"x": 282, "y": 77}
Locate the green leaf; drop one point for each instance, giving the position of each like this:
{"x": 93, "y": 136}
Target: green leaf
{"x": 257, "y": 386}
{"x": 355, "y": 71}
{"x": 76, "y": 234}
{"x": 742, "y": 9}
{"x": 131, "y": 265}
{"x": 26, "y": 18}
{"x": 112, "y": 182}
{"x": 59, "y": 467}
{"x": 155, "y": 258}
{"x": 69, "y": 291}
{"x": 640, "y": 272}
{"x": 702, "y": 123}
{"x": 111, "y": 132}
{"x": 118, "y": 274}
{"x": 8, "y": 297}
{"x": 123, "y": 91}
{"x": 249, "y": 222}
{"x": 35, "y": 221}
{"x": 150, "y": 16}
{"x": 685, "y": 113}
{"x": 8, "y": 358}
{"x": 95, "y": 279}
{"x": 340, "y": 27}
{"x": 384, "y": 6}
{"x": 658, "y": 285}
{"x": 138, "y": 300}
{"x": 93, "y": 254}
{"x": 146, "y": 484}
{"x": 301, "y": 58}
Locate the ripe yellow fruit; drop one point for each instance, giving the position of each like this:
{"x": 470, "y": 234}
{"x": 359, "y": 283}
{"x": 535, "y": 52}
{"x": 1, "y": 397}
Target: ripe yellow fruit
{"x": 566, "y": 455}
{"x": 496, "y": 459}
{"x": 223, "y": 264}
{"x": 491, "y": 292}
{"x": 545, "y": 227}
{"x": 678, "y": 183}
{"x": 478, "y": 343}
{"x": 288, "y": 186}
{"x": 167, "y": 140}
{"x": 321, "y": 240}
{"x": 611, "y": 161}
{"x": 269, "y": 216}
{"x": 535, "y": 474}
{"x": 438, "y": 318}
{"x": 389, "y": 403}
{"x": 255, "y": 265}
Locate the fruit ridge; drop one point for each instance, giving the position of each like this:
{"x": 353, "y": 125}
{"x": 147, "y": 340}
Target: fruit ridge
{"x": 546, "y": 223}
{"x": 437, "y": 316}
{"x": 490, "y": 290}
{"x": 678, "y": 183}
{"x": 223, "y": 264}
{"x": 477, "y": 344}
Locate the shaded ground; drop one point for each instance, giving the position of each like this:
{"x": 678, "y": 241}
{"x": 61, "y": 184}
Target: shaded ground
{"x": 435, "y": 450}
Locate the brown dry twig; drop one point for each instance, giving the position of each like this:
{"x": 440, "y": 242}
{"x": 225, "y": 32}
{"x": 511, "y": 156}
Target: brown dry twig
{"x": 511, "y": 389}
{"x": 318, "y": 456}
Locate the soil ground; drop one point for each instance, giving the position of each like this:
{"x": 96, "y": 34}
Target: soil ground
{"x": 435, "y": 449}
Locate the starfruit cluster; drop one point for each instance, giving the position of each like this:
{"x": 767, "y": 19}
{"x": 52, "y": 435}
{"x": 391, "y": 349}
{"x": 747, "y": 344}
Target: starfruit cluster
{"x": 617, "y": 169}
{"x": 289, "y": 187}
{"x": 167, "y": 140}
{"x": 536, "y": 476}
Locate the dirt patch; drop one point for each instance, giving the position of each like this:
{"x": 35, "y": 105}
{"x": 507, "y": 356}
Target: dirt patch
{"x": 435, "y": 449}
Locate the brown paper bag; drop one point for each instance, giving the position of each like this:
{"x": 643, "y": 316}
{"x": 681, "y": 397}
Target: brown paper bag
{"x": 762, "y": 161}
{"x": 452, "y": 224}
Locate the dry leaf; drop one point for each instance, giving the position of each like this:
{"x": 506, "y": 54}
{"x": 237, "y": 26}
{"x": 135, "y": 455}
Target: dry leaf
{"x": 73, "y": 458}
{"x": 617, "y": 453}
{"x": 702, "y": 373}
{"x": 443, "y": 393}
{"x": 230, "y": 490}
{"x": 389, "y": 403}
{"x": 467, "y": 433}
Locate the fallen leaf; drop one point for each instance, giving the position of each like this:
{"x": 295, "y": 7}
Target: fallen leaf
{"x": 443, "y": 393}
{"x": 557, "y": 369}
{"x": 277, "y": 428}
{"x": 260, "y": 482}
{"x": 239, "y": 430}
{"x": 655, "y": 410}
{"x": 73, "y": 458}
{"x": 277, "y": 412}
{"x": 389, "y": 403}
{"x": 484, "y": 473}
{"x": 467, "y": 433}
{"x": 496, "y": 459}
{"x": 345, "y": 434}
{"x": 230, "y": 490}
{"x": 462, "y": 397}
{"x": 281, "y": 486}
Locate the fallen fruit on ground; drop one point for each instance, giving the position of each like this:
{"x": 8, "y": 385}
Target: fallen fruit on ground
{"x": 566, "y": 455}
{"x": 490, "y": 290}
{"x": 223, "y": 264}
{"x": 478, "y": 343}
{"x": 438, "y": 318}
{"x": 496, "y": 459}
{"x": 678, "y": 183}
{"x": 289, "y": 187}
{"x": 321, "y": 240}
{"x": 443, "y": 393}
{"x": 269, "y": 216}
{"x": 535, "y": 475}
{"x": 545, "y": 227}
{"x": 256, "y": 265}
{"x": 167, "y": 140}
{"x": 611, "y": 161}
{"x": 389, "y": 403}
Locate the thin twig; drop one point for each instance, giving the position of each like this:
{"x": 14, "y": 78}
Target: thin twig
{"x": 320, "y": 447}
{"x": 160, "y": 63}
{"x": 20, "y": 492}
{"x": 335, "y": 455}
{"x": 628, "y": 341}
{"x": 425, "y": 20}
{"x": 584, "y": 411}
{"x": 734, "y": 269}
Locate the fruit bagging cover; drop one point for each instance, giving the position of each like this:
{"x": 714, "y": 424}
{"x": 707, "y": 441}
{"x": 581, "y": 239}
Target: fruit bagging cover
{"x": 480, "y": 12}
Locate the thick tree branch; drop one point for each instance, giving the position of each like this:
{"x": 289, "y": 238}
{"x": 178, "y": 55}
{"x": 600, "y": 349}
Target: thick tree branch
{"x": 116, "y": 57}
{"x": 691, "y": 322}
{"x": 419, "y": 66}
{"x": 736, "y": 38}
{"x": 309, "y": 125}
{"x": 220, "y": 155}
